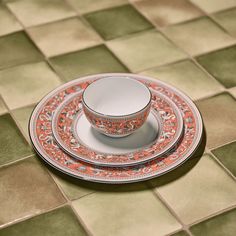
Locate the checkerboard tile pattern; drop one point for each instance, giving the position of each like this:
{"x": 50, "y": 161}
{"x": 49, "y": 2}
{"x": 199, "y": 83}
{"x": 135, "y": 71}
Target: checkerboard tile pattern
{"x": 190, "y": 44}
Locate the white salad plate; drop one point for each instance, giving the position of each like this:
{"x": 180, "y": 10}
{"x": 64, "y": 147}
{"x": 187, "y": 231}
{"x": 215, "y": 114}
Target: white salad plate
{"x": 75, "y": 135}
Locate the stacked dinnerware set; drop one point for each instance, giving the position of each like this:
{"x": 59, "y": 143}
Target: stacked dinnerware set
{"x": 115, "y": 128}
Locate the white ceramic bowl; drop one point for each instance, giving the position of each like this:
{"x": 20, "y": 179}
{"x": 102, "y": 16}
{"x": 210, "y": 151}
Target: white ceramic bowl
{"x": 116, "y": 106}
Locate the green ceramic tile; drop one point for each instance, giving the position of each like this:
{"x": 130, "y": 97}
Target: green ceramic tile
{"x": 3, "y": 108}
{"x": 226, "y": 155}
{"x": 227, "y": 19}
{"x": 58, "y": 222}
{"x": 17, "y": 49}
{"x": 85, "y": 6}
{"x": 8, "y": 22}
{"x": 22, "y": 115}
{"x": 40, "y": 11}
{"x": 187, "y": 77}
{"x": 145, "y": 50}
{"x": 27, "y": 84}
{"x": 12, "y": 144}
{"x": 89, "y": 61}
{"x": 196, "y": 193}
{"x": 181, "y": 233}
{"x": 219, "y": 116}
{"x": 112, "y": 23}
{"x": 125, "y": 213}
{"x": 199, "y": 36}
{"x": 63, "y": 36}
{"x": 220, "y": 225}
{"x": 222, "y": 65}
{"x": 214, "y": 5}
{"x": 27, "y": 189}
{"x": 167, "y": 12}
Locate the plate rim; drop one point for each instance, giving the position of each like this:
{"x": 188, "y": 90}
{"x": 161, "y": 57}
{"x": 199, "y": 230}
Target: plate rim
{"x": 112, "y": 181}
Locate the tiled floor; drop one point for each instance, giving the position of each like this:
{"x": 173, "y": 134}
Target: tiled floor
{"x": 189, "y": 44}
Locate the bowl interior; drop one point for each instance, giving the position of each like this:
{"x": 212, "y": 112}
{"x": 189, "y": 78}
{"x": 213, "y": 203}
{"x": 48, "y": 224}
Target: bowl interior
{"x": 116, "y": 96}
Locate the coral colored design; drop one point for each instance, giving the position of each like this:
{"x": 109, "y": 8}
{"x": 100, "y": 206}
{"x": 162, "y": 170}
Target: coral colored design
{"x": 44, "y": 142}
{"x": 115, "y": 126}
{"x": 171, "y": 130}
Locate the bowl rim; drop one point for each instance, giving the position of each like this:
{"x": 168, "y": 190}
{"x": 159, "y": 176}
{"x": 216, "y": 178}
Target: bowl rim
{"x": 117, "y": 116}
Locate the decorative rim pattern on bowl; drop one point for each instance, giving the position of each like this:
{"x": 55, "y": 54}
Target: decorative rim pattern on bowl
{"x": 117, "y": 126}
{"x": 171, "y": 125}
{"x": 46, "y": 146}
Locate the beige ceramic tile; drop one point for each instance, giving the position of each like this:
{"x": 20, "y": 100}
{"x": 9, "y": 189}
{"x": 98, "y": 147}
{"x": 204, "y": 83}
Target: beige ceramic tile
{"x": 27, "y": 84}
{"x": 187, "y": 77}
{"x": 125, "y": 213}
{"x": 219, "y": 116}
{"x": 26, "y": 189}
{"x": 8, "y": 22}
{"x": 145, "y": 50}
{"x": 203, "y": 190}
{"x": 199, "y": 36}
{"x": 85, "y": 6}
{"x": 63, "y": 37}
{"x": 40, "y": 11}
{"x": 166, "y": 12}
{"x": 22, "y": 115}
{"x": 214, "y": 5}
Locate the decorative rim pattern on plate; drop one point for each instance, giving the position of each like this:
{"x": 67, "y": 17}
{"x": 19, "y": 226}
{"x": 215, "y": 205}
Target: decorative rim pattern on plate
{"x": 45, "y": 145}
{"x": 163, "y": 108}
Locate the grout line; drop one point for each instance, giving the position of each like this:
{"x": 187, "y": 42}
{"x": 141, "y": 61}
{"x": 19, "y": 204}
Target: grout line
{"x": 15, "y": 161}
{"x": 188, "y": 226}
{"x": 26, "y": 106}
{"x": 83, "y": 19}
{"x": 117, "y": 57}
{"x": 212, "y": 215}
{"x": 221, "y": 145}
{"x": 223, "y": 166}
{"x": 85, "y": 195}
{"x": 210, "y": 95}
{"x": 85, "y": 227}
{"x": 232, "y": 93}
{"x": 177, "y": 231}
{"x": 160, "y": 66}
{"x": 159, "y": 197}
{"x": 25, "y": 218}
